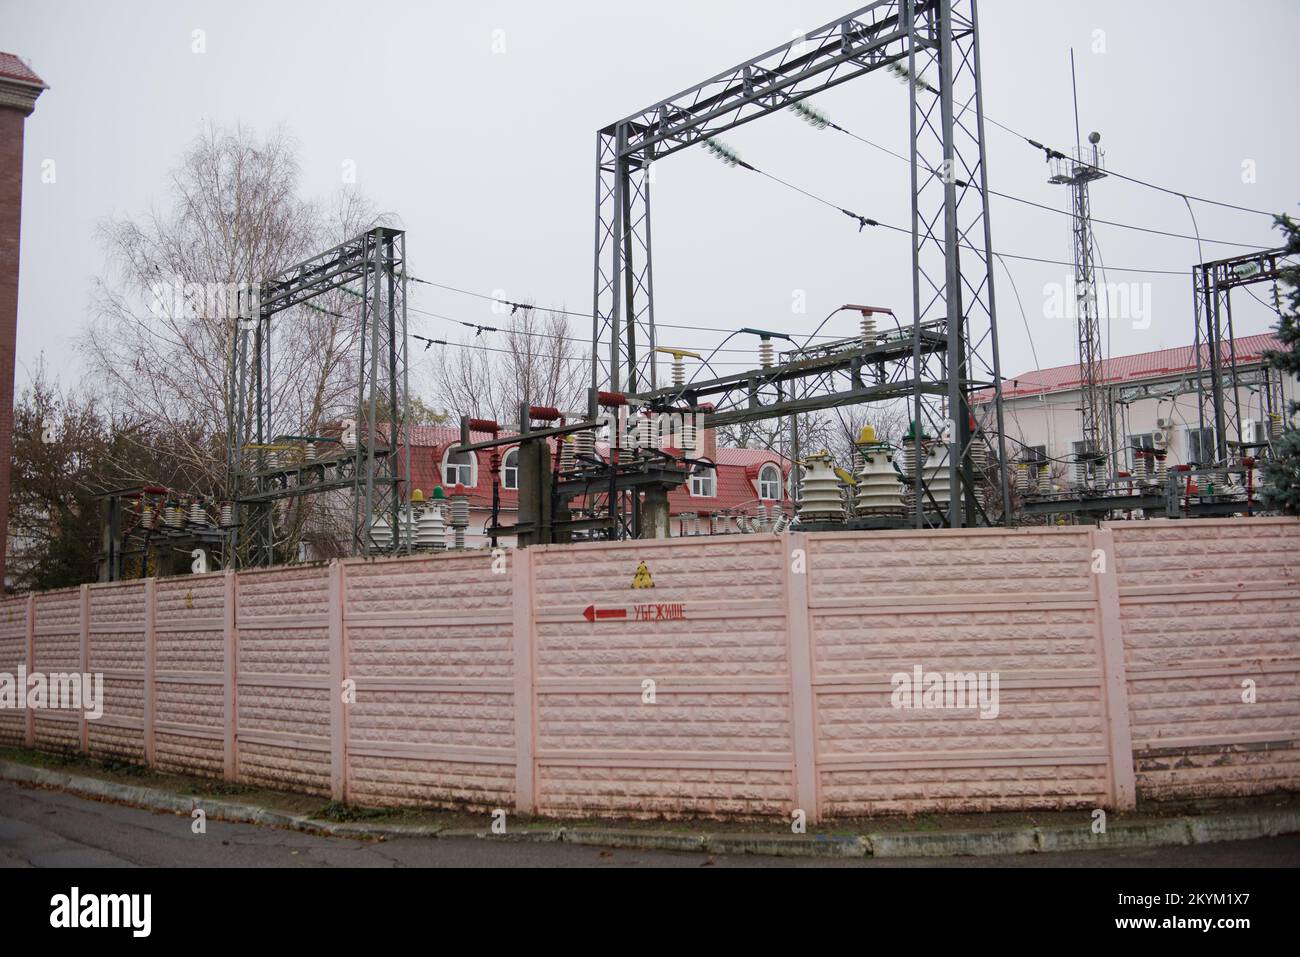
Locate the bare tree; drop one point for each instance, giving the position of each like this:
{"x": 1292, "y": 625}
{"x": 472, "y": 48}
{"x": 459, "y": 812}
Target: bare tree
{"x": 160, "y": 345}
{"x": 532, "y": 359}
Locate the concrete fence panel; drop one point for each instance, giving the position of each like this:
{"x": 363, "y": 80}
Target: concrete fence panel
{"x": 117, "y": 651}
{"x": 972, "y": 604}
{"x": 57, "y": 648}
{"x": 429, "y": 645}
{"x": 674, "y": 698}
{"x": 282, "y": 697}
{"x": 13, "y": 652}
{"x": 1211, "y": 617}
{"x": 190, "y": 710}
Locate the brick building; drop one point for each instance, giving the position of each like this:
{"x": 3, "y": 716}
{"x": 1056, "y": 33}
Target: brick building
{"x": 740, "y": 480}
{"x": 19, "y": 88}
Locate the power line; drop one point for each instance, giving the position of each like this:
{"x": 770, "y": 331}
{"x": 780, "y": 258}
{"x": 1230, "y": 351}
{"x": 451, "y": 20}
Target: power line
{"x": 480, "y": 328}
{"x": 1050, "y": 151}
{"x": 1050, "y": 209}
{"x": 865, "y": 221}
{"x": 515, "y": 306}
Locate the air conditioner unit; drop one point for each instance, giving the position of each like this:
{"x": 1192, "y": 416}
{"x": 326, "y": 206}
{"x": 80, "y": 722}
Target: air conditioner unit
{"x": 1254, "y": 432}
{"x": 1164, "y": 424}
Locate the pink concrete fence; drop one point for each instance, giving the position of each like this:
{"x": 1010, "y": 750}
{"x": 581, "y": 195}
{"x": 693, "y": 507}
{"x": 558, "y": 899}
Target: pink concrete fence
{"x": 754, "y": 678}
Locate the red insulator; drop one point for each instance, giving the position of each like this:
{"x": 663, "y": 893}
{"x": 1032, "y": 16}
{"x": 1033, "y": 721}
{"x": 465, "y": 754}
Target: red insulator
{"x": 543, "y": 413}
{"x": 484, "y": 425}
{"x": 611, "y": 400}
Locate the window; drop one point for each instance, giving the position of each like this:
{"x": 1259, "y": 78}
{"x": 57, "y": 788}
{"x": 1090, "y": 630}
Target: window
{"x": 458, "y": 468}
{"x": 704, "y": 482}
{"x": 1036, "y": 459}
{"x": 1200, "y": 447}
{"x": 769, "y": 483}
{"x": 510, "y": 469}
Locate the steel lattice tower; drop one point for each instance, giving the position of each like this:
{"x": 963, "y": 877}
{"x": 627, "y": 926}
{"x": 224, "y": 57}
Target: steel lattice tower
{"x": 1077, "y": 172}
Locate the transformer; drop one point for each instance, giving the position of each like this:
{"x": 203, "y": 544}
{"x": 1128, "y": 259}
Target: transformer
{"x": 819, "y": 491}
{"x": 878, "y": 491}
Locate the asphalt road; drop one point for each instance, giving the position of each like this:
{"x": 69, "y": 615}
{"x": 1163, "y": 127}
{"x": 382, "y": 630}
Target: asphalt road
{"x": 52, "y": 829}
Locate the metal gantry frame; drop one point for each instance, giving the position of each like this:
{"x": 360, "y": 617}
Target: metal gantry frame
{"x": 375, "y": 468}
{"x": 1215, "y": 342}
{"x": 951, "y": 234}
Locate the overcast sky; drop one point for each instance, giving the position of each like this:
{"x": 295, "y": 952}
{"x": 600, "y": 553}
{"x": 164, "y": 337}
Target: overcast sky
{"x": 487, "y": 155}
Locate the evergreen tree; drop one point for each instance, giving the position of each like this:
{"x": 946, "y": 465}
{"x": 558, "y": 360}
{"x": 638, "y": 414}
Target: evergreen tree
{"x": 1280, "y": 488}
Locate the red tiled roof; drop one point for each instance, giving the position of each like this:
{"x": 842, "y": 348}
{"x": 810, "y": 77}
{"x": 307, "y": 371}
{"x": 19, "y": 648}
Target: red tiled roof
{"x": 1143, "y": 365}
{"x": 737, "y": 471}
{"x": 13, "y": 68}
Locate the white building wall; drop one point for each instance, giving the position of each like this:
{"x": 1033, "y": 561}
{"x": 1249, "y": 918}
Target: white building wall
{"x": 1053, "y": 420}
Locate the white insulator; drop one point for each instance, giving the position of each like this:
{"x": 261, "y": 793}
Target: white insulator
{"x": 197, "y": 515}
{"x": 695, "y": 523}
{"x": 937, "y": 480}
{"x": 407, "y": 526}
{"x": 722, "y": 526}
{"x": 1022, "y": 477}
{"x": 227, "y": 513}
{"x": 762, "y": 517}
{"x": 584, "y": 445}
{"x": 459, "y": 519}
{"x": 679, "y": 371}
{"x": 1275, "y": 426}
{"x": 979, "y": 459}
{"x": 647, "y": 436}
{"x": 568, "y": 448}
{"x": 146, "y": 515}
{"x": 782, "y": 524}
{"x": 869, "y": 328}
{"x": 310, "y": 452}
{"x": 175, "y": 515}
{"x": 820, "y": 499}
{"x": 907, "y": 461}
{"x": 766, "y": 353}
{"x": 878, "y": 491}
{"x": 381, "y": 535}
{"x": 689, "y": 437}
{"x": 429, "y": 531}
{"x": 272, "y": 461}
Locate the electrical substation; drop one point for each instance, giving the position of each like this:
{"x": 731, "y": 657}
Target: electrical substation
{"x": 938, "y": 355}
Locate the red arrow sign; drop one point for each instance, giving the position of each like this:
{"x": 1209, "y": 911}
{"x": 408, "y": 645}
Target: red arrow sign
{"x": 591, "y": 613}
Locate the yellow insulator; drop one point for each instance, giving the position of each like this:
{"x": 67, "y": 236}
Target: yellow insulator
{"x": 867, "y": 436}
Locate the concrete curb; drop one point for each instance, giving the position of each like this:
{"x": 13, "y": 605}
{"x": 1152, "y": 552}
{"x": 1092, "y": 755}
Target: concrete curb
{"x": 1232, "y": 826}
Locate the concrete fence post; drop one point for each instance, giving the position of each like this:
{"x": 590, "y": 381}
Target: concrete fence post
{"x": 230, "y": 595}
{"x": 338, "y": 672}
{"x": 523, "y": 632}
{"x": 802, "y": 704}
{"x": 29, "y": 729}
{"x": 150, "y": 669}
{"x": 1123, "y": 778}
{"x": 83, "y": 725}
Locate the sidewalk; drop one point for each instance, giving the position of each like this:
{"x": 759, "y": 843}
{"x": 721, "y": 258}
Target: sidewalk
{"x": 922, "y": 836}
